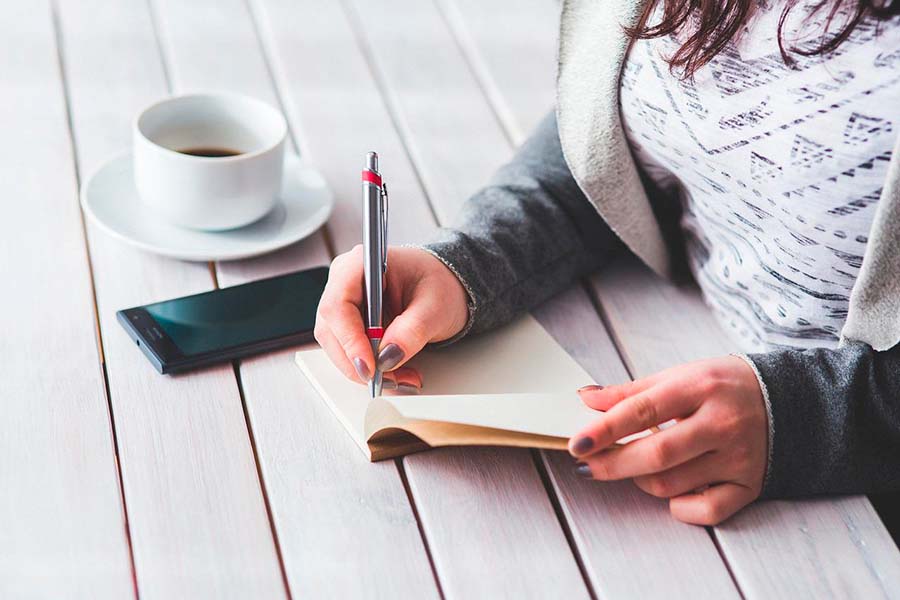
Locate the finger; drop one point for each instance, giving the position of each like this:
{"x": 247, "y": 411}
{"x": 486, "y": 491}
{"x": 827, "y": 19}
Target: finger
{"x": 405, "y": 380}
{"x": 336, "y": 353}
{"x": 346, "y": 324}
{"x": 408, "y": 375}
{"x": 604, "y": 398}
{"x": 408, "y": 333}
{"x": 713, "y": 505}
{"x": 652, "y": 406}
{"x": 655, "y": 453}
{"x": 704, "y": 470}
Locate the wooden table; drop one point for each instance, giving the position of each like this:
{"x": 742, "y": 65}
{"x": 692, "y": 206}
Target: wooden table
{"x": 237, "y": 481}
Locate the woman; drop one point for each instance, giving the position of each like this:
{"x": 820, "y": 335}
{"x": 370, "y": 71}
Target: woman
{"x": 752, "y": 141}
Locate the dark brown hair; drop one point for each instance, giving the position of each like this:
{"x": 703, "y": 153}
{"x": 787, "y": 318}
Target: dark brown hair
{"x": 710, "y": 24}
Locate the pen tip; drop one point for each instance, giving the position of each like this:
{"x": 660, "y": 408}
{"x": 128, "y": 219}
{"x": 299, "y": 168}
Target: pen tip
{"x": 372, "y": 161}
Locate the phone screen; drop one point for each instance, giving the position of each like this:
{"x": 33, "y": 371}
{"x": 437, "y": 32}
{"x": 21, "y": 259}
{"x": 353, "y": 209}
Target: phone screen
{"x": 230, "y": 318}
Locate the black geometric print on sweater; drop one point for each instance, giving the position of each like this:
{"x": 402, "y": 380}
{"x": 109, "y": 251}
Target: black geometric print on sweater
{"x": 820, "y": 188}
{"x": 724, "y": 295}
{"x": 852, "y": 260}
{"x": 664, "y": 79}
{"x": 762, "y": 168}
{"x": 807, "y": 153}
{"x": 748, "y": 118}
{"x": 888, "y": 59}
{"x": 856, "y": 205}
{"x": 656, "y": 116}
{"x": 775, "y": 265}
{"x": 860, "y": 128}
{"x": 817, "y": 91}
{"x": 693, "y": 103}
{"x": 734, "y": 74}
{"x": 760, "y": 213}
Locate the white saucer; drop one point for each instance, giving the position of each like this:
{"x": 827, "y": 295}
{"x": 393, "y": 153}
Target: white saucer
{"x": 111, "y": 201}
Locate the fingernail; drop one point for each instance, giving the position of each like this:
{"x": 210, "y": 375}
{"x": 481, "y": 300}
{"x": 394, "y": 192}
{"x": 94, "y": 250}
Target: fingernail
{"x": 583, "y": 470}
{"x": 590, "y": 388}
{"x": 389, "y": 357}
{"x": 388, "y": 384}
{"x": 582, "y": 445}
{"x": 407, "y": 388}
{"x": 362, "y": 369}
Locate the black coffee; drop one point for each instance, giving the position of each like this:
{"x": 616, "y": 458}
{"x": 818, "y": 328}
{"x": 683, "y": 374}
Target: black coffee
{"x": 210, "y": 151}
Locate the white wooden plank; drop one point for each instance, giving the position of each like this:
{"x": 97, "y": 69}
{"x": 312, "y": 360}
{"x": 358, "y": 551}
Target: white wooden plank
{"x": 490, "y": 525}
{"x": 456, "y": 144}
{"x": 658, "y": 324}
{"x": 330, "y": 97}
{"x": 61, "y": 517}
{"x": 814, "y": 548}
{"x": 198, "y": 519}
{"x": 511, "y": 47}
{"x": 331, "y": 508}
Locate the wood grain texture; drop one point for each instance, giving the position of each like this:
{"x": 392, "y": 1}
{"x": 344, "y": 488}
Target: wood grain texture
{"x": 457, "y": 143}
{"x": 345, "y": 527}
{"x": 198, "y": 519}
{"x": 335, "y": 107}
{"x": 511, "y": 47}
{"x": 815, "y": 548}
{"x": 490, "y": 525}
{"x": 61, "y": 538}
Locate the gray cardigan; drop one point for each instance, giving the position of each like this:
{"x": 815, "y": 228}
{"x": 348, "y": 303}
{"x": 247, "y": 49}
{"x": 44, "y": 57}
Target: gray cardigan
{"x": 572, "y": 198}
{"x": 834, "y": 414}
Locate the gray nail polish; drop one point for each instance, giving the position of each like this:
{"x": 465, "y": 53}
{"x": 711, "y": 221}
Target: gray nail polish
{"x": 583, "y": 445}
{"x": 407, "y": 388}
{"x": 590, "y": 388}
{"x": 583, "y": 470}
{"x": 388, "y": 384}
{"x": 362, "y": 369}
{"x": 389, "y": 357}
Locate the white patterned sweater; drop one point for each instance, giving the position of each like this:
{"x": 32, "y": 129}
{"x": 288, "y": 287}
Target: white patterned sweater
{"x": 778, "y": 169}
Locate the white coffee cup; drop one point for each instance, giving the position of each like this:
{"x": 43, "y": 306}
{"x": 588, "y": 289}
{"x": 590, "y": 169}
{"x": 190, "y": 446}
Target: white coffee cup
{"x": 209, "y": 192}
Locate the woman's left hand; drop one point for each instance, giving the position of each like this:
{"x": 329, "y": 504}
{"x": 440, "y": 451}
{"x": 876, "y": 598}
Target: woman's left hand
{"x": 710, "y": 464}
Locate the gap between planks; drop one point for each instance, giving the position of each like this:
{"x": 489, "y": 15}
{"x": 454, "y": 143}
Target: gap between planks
{"x": 64, "y": 82}
{"x": 265, "y": 51}
{"x": 365, "y": 50}
{"x": 166, "y": 61}
{"x": 364, "y": 45}
{"x": 514, "y": 138}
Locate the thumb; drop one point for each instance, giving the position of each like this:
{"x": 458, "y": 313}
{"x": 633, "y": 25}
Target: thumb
{"x": 407, "y": 334}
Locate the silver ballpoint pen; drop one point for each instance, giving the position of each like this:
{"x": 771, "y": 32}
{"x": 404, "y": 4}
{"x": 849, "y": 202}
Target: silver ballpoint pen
{"x": 375, "y": 207}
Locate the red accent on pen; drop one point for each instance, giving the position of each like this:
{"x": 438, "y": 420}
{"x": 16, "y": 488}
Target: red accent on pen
{"x": 375, "y": 332}
{"x": 371, "y": 177}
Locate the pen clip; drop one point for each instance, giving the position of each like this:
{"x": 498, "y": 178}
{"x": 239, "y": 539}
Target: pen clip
{"x": 384, "y": 227}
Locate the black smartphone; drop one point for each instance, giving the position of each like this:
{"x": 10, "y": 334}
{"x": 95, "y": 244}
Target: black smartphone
{"x": 194, "y": 331}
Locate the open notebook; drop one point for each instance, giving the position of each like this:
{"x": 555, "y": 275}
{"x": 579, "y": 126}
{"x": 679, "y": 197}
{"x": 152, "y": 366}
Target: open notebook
{"x": 511, "y": 387}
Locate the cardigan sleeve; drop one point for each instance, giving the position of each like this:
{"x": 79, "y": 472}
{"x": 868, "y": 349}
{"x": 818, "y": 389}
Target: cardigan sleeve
{"x": 834, "y": 415}
{"x": 835, "y": 420}
{"x": 524, "y": 237}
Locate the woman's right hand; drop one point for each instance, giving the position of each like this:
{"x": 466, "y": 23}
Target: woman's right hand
{"x": 425, "y": 299}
